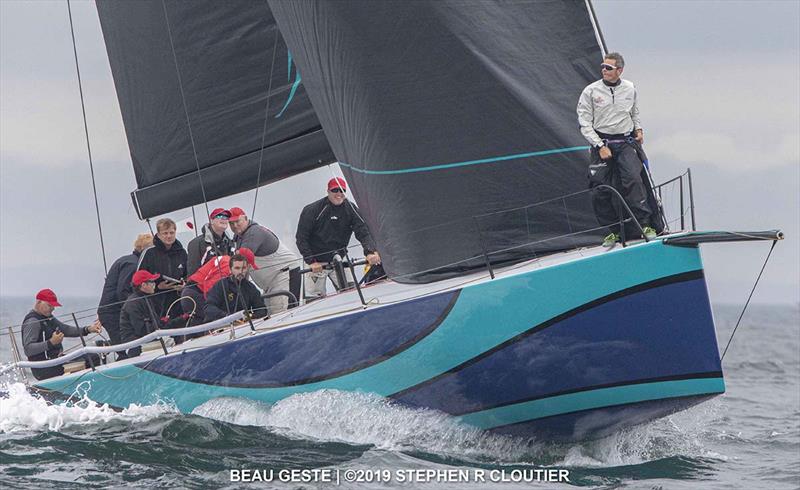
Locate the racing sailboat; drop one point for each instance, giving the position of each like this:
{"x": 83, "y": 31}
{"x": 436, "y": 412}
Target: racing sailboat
{"x": 454, "y": 124}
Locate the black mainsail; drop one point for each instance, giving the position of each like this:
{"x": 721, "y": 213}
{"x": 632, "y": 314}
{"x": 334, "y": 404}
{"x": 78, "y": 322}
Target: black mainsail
{"x": 224, "y": 53}
{"x": 444, "y": 113}
{"x": 448, "y": 117}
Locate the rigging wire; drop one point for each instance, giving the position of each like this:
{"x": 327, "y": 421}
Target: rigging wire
{"x": 86, "y": 132}
{"x": 266, "y": 119}
{"x": 185, "y": 107}
{"x": 194, "y": 222}
{"x": 189, "y": 126}
{"x": 775, "y": 242}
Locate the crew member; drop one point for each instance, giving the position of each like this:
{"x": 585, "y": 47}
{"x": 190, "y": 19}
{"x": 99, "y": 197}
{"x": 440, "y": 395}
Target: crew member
{"x": 42, "y": 334}
{"x": 117, "y": 287}
{"x": 138, "y": 315}
{"x": 235, "y": 293}
{"x": 275, "y": 261}
{"x": 167, "y": 258}
{"x": 324, "y": 230}
{"x": 213, "y": 241}
{"x": 204, "y": 278}
{"x": 608, "y": 114}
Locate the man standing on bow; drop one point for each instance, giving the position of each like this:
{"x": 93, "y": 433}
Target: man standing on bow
{"x": 213, "y": 241}
{"x": 324, "y": 230}
{"x": 42, "y": 334}
{"x": 608, "y": 114}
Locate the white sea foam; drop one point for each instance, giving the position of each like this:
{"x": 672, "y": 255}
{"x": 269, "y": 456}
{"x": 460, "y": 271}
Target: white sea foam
{"x": 361, "y": 418}
{"x": 683, "y": 434}
{"x": 21, "y": 410}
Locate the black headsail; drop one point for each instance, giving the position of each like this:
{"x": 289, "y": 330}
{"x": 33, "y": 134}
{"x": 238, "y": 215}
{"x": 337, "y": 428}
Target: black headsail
{"x": 444, "y": 112}
{"x": 224, "y": 53}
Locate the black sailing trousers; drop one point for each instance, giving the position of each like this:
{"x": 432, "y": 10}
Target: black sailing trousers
{"x": 623, "y": 172}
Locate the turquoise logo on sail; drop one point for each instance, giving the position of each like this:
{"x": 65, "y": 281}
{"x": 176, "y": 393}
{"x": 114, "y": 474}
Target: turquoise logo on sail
{"x": 296, "y": 83}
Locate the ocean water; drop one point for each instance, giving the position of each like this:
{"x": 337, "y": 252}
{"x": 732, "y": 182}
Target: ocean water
{"x": 747, "y": 438}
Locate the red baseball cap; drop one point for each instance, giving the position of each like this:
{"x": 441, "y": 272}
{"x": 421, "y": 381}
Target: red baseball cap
{"x": 337, "y": 183}
{"x": 236, "y": 213}
{"x": 250, "y": 256}
{"x": 143, "y": 276}
{"x": 48, "y": 296}
{"x": 219, "y": 213}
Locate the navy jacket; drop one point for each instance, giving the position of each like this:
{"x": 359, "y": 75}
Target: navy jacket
{"x": 229, "y": 296}
{"x": 325, "y": 229}
{"x": 137, "y": 319}
{"x": 158, "y": 260}
{"x": 116, "y": 290}
{"x": 172, "y": 263}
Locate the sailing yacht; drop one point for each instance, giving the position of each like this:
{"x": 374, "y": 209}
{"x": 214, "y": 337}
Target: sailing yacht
{"x": 454, "y": 123}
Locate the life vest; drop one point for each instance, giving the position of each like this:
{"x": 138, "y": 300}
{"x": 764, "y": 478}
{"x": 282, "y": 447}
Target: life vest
{"x": 48, "y": 328}
{"x": 211, "y": 272}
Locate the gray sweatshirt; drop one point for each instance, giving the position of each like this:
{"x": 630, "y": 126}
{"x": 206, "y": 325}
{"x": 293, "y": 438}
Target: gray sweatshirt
{"x": 610, "y": 110}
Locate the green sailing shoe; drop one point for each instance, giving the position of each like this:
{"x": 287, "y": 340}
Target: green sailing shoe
{"x": 649, "y": 233}
{"x": 610, "y": 240}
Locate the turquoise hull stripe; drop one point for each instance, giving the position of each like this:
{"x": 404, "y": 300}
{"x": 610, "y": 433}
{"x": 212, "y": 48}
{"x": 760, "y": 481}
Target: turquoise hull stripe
{"x": 465, "y": 164}
{"x": 484, "y": 316}
{"x": 587, "y": 400}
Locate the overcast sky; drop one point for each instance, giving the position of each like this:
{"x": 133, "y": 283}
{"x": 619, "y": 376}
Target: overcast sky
{"x": 719, "y": 86}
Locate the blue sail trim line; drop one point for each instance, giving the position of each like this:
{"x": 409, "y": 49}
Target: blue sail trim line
{"x": 587, "y": 400}
{"x": 296, "y": 84}
{"x": 467, "y": 163}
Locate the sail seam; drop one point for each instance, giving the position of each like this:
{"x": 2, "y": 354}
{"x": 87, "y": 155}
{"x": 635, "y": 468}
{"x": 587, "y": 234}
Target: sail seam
{"x": 467, "y": 163}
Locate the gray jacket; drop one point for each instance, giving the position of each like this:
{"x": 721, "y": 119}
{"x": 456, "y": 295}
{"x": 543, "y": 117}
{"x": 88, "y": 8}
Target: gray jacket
{"x": 258, "y": 239}
{"x": 610, "y": 110}
{"x": 36, "y": 332}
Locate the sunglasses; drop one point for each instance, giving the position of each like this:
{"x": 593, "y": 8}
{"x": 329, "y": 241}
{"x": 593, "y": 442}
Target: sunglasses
{"x": 607, "y": 67}
{"x": 336, "y": 191}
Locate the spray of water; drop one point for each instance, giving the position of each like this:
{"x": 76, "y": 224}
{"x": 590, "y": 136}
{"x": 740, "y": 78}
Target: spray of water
{"x": 21, "y": 410}
{"x": 368, "y": 419}
{"x": 360, "y": 418}
{"x": 682, "y": 434}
